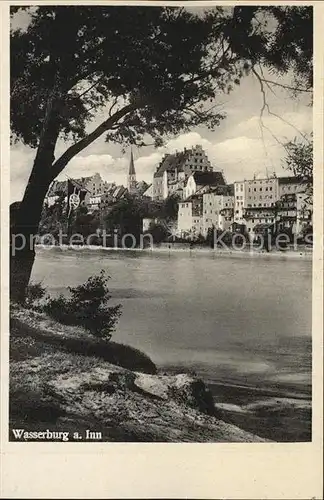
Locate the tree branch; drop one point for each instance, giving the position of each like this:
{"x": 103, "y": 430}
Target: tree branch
{"x": 288, "y": 87}
{"x": 91, "y": 86}
{"x": 73, "y": 150}
{"x": 112, "y": 106}
{"x": 266, "y": 106}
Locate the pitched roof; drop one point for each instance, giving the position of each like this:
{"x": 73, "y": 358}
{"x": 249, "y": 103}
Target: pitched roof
{"x": 193, "y": 197}
{"x": 61, "y": 186}
{"x": 227, "y": 190}
{"x": 209, "y": 178}
{"x": 57, "y": 187}
{"x": 119, "y": 191}
{"x": 172, "y": 162}
{"x": 290, "y": 180}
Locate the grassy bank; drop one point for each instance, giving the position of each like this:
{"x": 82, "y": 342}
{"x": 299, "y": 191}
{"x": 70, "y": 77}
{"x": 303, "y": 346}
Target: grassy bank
{"x": 62, "y": 380}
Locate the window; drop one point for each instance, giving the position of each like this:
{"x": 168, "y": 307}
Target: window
{"x": 254, "y": 189}
{"x": 260, "y": 189}
{"x": 266, "y": 189}
{"x": 252, "y": 221}
{"x": 270, "y": 188}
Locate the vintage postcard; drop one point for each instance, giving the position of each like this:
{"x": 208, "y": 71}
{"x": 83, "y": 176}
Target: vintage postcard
{"x": 162, "y": 249}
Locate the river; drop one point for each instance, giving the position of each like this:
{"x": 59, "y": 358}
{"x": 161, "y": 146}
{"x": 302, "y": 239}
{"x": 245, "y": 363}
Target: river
{"x": 243, "y": 324}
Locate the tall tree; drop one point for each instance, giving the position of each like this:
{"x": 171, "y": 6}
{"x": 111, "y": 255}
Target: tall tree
{"x": 153, "y": 70}
{"x": 299, "y": 160}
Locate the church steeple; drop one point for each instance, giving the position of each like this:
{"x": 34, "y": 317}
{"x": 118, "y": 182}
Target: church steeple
{"x": 131, "y": 179}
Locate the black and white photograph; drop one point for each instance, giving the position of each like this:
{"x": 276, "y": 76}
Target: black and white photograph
{"x": 161, "y": 223}
{"x": 163, "y": 198}
{"x": 162, "y": 205}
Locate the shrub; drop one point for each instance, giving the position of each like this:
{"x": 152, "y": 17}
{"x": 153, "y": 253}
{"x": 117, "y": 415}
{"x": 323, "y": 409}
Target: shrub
{"x": 35, "y": 292}
{"x": 86, "y": 307}
{"x": 158, "y": 232}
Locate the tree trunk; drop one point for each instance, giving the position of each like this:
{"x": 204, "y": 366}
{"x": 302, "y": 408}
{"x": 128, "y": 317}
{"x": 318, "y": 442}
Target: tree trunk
{"x": 24, "y": 229}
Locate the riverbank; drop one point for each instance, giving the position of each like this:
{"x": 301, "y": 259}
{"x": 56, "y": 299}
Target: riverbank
{"x": 57, "y": 386}
{"x": 298, "y": 254}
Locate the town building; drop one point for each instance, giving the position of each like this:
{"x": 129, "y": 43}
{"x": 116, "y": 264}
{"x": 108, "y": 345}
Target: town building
{"x": 190, "y": 217}
{"x": 202, "y": 182}
{"x": 174, "y": 170}
{"x": 262, "y": 192}
{"x": 290, "y": 185}
{"x": 218, "y": 211}
{"x": 261, "y": 201}
{"x": 177, "y": 188}
{"x": 110, "y": 197}
{"x": 94, "y": 185}
{"x": 99, "y": 193}
{"x": 257, "y": 192}
{"x": 148, "y": 193}
{"x": 56, "y": 190}
{"x": 239, "y": 200}
{"x": 253, "y": 204}
{"x": 293, "y": 212}
{"x": 256, "y": 217}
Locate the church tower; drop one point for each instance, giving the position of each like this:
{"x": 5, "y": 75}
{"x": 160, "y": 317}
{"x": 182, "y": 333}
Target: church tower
{"x": 131, "y": 179}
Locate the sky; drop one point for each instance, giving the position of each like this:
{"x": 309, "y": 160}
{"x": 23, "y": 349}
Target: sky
{"x": 236, "y": 146}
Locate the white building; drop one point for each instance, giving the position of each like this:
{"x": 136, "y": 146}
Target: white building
{"x": 190, "y": 217}
{"x": 202, "y": 182}
{"x": 175, "y": 169}
{"x": 239, "y": 201}
{"x": 218, "y": 211}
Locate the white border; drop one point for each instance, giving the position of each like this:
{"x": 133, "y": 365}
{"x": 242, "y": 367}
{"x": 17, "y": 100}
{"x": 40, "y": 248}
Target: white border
{"x": 120, "y": 470}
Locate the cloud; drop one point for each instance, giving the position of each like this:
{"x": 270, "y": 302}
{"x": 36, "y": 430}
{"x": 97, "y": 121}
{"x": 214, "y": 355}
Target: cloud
{"x": 236, "y": 147}
{"x": 112, "y": 169}
{"x": 283, "y": 126}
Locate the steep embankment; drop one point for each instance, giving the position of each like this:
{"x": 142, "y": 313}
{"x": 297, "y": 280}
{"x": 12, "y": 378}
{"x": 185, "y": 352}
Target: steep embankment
{"x": 64, "y": 380}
